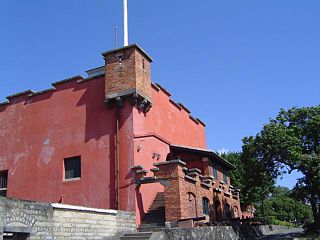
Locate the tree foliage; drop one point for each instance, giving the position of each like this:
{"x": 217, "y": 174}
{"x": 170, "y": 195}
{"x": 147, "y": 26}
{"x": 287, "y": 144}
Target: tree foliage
{"x": 289, "y": 142}
{"x": 282, "y": 207}
{"x": 251, "y": 177}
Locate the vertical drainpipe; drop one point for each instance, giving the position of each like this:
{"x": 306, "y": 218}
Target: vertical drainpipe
{"x": 118, "y": 157}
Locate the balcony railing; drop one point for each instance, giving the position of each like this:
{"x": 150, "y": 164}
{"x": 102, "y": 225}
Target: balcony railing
{"x": 3, "y": 183}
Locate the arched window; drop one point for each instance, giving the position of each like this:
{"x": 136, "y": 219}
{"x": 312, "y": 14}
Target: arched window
{"x": 205, "y": 206}
{"x": 227, "y": 211}
{"x": 191, "y": 205}
{"x": 235, "y": 212}
{"x": 218, "y": 210}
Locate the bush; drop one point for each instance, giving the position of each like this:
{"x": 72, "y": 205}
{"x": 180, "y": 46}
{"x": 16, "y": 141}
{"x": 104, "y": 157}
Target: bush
{"x": 281, "y": 223}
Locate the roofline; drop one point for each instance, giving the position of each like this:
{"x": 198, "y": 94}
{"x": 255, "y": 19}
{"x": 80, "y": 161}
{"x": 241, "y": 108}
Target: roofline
{"x": 127, "y": 47}
{"x": 205, "y": 152}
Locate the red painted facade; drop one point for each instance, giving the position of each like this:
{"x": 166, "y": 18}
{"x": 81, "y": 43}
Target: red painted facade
{"x": 78, "y": 117}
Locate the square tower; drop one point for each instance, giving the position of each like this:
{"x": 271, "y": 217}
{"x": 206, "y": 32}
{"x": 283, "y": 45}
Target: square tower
{"x": 128, "y": 74}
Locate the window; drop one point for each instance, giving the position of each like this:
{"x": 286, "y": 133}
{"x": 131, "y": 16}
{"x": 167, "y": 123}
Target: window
{"x": 205, "y": 206}
{"x": 227, "y": 211}
{"x": 3, "y": 183}
{"x": 143, "y": 64}
{"x": 214, "y": 170}
{"x": 225, "y": 176}
{"x": 72, "y": 168}
{"x": 215, "y": 173}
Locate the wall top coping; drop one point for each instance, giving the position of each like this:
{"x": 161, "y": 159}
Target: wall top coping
{"x": 84, "y": 209}
{"x": 170, "y": 162}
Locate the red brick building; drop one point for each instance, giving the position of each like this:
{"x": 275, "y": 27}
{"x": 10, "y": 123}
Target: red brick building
{"x": 113, "y": 140}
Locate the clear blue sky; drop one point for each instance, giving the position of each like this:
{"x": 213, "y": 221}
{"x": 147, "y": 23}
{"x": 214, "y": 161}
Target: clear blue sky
{"x": 233, "y": 63}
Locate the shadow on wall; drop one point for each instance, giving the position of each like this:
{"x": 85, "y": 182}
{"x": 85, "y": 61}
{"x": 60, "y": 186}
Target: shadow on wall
{"x": 140, "y": 203}
{"x": 100, "y": 121}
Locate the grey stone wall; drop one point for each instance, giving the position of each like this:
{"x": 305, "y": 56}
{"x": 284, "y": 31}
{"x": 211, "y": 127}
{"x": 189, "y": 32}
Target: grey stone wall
{"x": 236, "y": 232}
{"x": 56, "y": 221}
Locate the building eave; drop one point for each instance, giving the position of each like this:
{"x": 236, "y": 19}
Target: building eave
{"x": 203, "y": 152}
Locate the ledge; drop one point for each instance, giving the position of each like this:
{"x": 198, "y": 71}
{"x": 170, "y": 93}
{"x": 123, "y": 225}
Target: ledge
{"x": 4, "y": 103}
{"x": 155, "y": 87}
{"x": 184, "y": 107}
{"x": 206, "y": 185}
{"x": 28, "y": 92}
{"x": 142, "y": 171}
{"x": 208, "y": 177}
{"x": 195, "y": 170}
{"x": 170, "y": 162}
{"x": 136, "y": 46}
{"x": 136, "y": 167}
{"x": 154, "y": 169}
{"x": 163, "y": 90}
{"x": 201, "y": 122}
{"x": 146, "y": 180}
{"x": 175, "y": 104}
{"x": 85, "y": 209}
{"x": 186, "y": 177}
{"x": 67, "y": 80}
{"x": 41, "y": 92}
{"x": 192, "y": 174}
{"x": 193, "y": 119}
{"x": 227, "y": 194}
{"x": 90, "y": 78}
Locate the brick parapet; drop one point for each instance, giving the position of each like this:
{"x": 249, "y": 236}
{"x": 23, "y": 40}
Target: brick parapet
{"x": 185, "y": 188}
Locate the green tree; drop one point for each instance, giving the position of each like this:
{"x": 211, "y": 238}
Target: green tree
{"x": 290, "y": 142}
{"x": 282, "y": 206}
{"x": 251, "y": 177}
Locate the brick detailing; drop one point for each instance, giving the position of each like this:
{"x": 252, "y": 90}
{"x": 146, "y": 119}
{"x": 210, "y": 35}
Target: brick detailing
{"x": 128, "y": 71}
{"x": 185, "y": 189}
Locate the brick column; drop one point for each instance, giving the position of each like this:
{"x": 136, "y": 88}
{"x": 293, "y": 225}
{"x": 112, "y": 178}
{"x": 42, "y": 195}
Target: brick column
{"x": 206, "y": 166}
{"x": 170, "y": 173}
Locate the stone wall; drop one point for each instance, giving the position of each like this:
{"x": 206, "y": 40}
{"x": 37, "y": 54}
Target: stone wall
{"x": 57, "y": 221}
{"x": 236, "y": 232}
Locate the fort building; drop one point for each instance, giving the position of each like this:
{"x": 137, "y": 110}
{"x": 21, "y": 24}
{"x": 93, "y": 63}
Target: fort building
{"x": 114, "y": 140}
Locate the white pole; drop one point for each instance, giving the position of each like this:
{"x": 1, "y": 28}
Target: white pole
{"x": 125, "y": 22}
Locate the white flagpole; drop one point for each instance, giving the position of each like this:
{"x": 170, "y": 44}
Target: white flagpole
{"x": 125, "y": 22}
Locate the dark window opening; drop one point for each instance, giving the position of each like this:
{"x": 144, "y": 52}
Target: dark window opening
{"x": 205, "y": 206}
{"x": 72, "y": 167}
{"x": 215, "y": 173}
{"x": 143, "y": 64}
{"x": 3, "y": 183}
{"x": 227, "y": 211}
{"x": 225, "y": 176}
{"x": 120, "y": 59}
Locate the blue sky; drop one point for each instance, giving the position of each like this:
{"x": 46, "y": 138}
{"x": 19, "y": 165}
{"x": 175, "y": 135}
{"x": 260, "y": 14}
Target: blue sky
{"x": 233, "y": 63}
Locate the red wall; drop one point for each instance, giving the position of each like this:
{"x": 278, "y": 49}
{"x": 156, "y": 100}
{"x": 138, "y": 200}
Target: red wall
{"x": 37, "y": 133}
{"x": 165, "y": 123}
{"x": 168, "y": 121}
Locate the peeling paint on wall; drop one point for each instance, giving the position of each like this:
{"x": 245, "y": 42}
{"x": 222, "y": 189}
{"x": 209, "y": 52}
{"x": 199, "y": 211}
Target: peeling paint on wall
{"x": 46, "y": 154}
